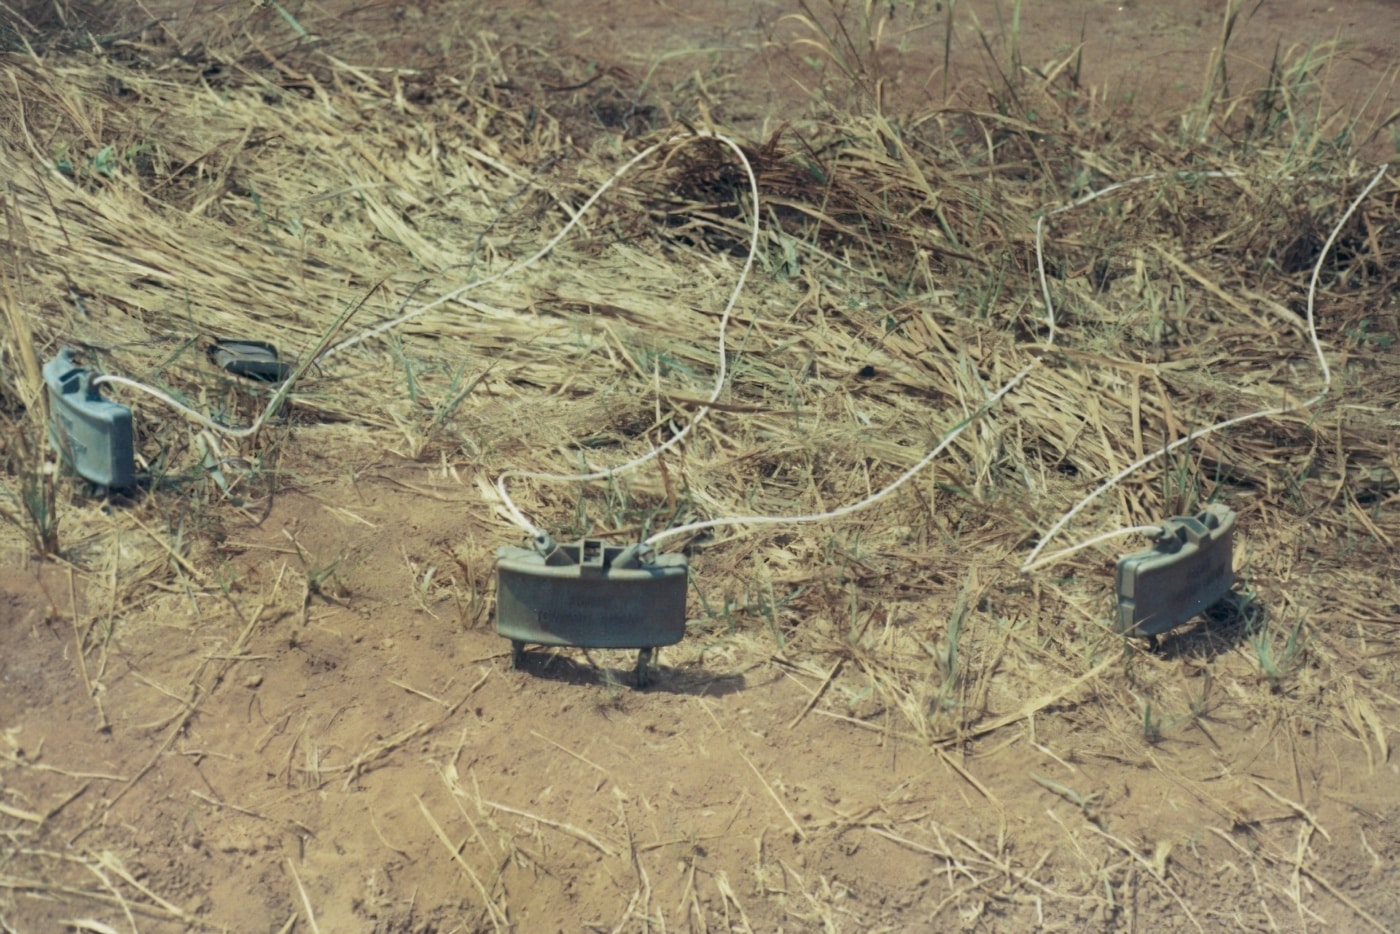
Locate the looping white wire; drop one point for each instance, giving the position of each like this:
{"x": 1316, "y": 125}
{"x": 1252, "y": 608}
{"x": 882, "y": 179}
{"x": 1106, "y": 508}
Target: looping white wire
{"x": 721, "y": 375}
{"x": 188, "y": 412}
{"x": 870, "y": 500}
{"x": 910, "y": 473}
{"x": 1089, "y": 543}
{"x": 513, "y": 511}
{"x": 1031, "y": 563}
{"x": 554, "y": 241}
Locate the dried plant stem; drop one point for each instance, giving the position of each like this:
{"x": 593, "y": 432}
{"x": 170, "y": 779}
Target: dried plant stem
{"x": 561, "y": 826}
{"x": 565, "y": 749}
{"x": 305, "y": 899}
{"x": 102, "y": 724}
{"x": 817, "y": 695}
{"x": 497, "y": 915}
{"x": 796, "y": 827}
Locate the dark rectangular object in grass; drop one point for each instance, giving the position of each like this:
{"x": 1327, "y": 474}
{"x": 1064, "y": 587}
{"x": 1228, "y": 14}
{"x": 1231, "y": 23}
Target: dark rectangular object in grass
{"x": 256, "y": 360}
{"x": 591, "y": 595}
{"x": 92, "y": 434}
{"x": 1190, "y": 568}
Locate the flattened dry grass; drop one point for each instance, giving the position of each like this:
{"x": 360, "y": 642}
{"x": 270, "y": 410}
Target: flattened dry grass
{"x": 156, "y": 201}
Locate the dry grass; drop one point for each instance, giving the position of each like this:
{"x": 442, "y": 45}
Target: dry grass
{"x": 155, "y": 202}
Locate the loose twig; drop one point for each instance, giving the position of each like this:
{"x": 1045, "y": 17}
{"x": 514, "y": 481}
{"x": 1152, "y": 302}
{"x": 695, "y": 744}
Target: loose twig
{"x": 560, "y": 826}
{"x": 305, "y": 900}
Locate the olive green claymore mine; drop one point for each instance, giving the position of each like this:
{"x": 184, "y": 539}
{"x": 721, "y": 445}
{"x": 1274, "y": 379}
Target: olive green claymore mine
{"x": 591, "y": 595}
{"x": 1189, "y": 569}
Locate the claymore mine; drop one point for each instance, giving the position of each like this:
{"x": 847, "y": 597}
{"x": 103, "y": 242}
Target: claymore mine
{"x": 592, "y": 595}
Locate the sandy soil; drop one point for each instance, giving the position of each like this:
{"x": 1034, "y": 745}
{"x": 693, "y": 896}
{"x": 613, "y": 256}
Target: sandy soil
{"x": 314, "y": 726}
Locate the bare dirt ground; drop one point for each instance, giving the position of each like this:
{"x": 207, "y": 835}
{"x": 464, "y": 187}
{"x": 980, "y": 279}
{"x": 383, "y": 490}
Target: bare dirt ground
{"x": 287, "y": 708}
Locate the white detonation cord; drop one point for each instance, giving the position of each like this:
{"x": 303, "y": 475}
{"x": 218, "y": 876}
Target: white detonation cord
{"x": 542, "y": 540}
{"x": 540, "y": 537}
{"x": 1031, "y": 563}
{"x": 512, "y": 510}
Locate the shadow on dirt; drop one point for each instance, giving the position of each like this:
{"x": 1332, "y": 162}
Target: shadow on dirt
{"x": 554, "y": 666}
{"x": 1233, "y": 620}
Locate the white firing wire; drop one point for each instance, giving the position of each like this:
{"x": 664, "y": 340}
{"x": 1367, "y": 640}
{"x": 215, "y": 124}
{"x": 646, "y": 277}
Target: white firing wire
{"x": 873, "y": 498}
{"x": 1031, "y": 563}
{"x": 928, "y": 458}
{"x": 1096, "y": 540}
{"x": 275, "y": 403}
{"x": 952, "y": 435}
{"x": 958, "y": 429}
{"x": 574, "y": 220}
{"x": 185, "y": 410}
{"x": 721, "y": 375}
{"x": 575, "y": 217}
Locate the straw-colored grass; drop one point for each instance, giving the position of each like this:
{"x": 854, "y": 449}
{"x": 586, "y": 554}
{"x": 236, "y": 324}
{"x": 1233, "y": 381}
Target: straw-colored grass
{"x": 154, "y": 203}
